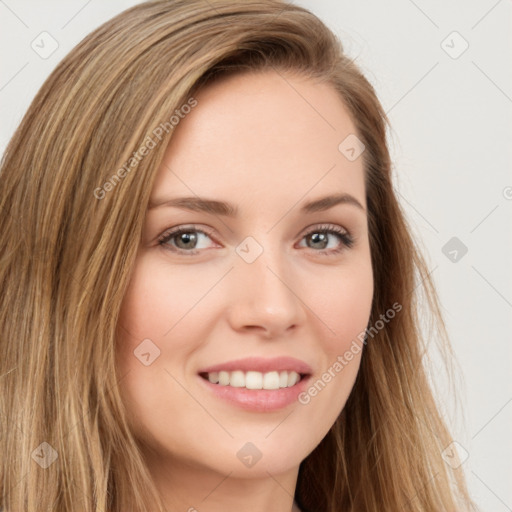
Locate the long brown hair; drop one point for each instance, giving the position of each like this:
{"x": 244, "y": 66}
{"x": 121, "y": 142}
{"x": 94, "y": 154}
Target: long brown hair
{"x": 74, "y": 188}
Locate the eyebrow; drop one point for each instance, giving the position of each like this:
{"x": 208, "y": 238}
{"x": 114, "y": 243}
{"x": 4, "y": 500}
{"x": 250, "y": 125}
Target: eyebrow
{"x": 198, "y": 204}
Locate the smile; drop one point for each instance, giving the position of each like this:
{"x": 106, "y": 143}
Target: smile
{"x": 253, "y": 379}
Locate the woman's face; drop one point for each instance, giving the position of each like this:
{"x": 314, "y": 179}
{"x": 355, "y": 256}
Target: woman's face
{"x": 281, "y": 286}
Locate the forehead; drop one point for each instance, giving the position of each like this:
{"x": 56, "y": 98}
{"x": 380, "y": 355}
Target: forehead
{"x": 270, "y": 133}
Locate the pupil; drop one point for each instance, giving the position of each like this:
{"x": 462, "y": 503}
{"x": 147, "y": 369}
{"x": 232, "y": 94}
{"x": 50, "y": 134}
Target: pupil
{"x": 319, "y": 237}
{"x": 186, "y": 238}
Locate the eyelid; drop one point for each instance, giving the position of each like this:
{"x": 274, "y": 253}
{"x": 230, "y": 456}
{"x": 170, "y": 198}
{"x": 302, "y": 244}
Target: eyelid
{"x": 324, "y": 226}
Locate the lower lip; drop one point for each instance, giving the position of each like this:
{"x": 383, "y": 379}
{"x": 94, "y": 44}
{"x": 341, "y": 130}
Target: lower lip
{"x": 258, "y": 400}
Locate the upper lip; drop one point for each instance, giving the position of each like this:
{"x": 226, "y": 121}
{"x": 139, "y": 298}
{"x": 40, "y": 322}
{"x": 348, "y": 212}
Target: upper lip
{"x": 261, "y": 364}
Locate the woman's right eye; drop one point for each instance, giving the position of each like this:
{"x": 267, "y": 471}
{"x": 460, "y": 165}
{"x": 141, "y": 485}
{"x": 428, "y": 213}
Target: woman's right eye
{"x": 186, "y": 240}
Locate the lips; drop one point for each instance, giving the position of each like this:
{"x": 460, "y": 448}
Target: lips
{"x": 260, "y": 364}
{"x": 257, "y": 384}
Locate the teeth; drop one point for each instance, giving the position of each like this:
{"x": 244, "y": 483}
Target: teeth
{"x": 255, "y": 380}
{"x": 223, "y": 378}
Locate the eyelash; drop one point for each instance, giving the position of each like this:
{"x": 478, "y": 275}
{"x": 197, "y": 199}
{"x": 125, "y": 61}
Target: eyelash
{"x": 347, "y": 240}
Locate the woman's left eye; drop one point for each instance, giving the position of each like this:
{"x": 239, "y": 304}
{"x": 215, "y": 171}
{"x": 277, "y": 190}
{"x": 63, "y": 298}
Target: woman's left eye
{"x": 319, "y": 236}
{"x": 190, "y": 239}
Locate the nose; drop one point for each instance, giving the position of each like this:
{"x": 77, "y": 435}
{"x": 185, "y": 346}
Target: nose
{"x": 264, "y": 298}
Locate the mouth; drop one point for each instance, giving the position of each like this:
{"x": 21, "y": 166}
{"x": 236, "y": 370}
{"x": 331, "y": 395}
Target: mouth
{"x": 257, "y": 384}
{"x": 272, "y": 380}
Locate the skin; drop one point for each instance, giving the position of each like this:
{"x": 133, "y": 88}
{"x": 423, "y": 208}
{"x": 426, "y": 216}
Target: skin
{"x": 266, "y": 142}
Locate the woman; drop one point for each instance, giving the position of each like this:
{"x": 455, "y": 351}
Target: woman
{"x": 209, "y": 288}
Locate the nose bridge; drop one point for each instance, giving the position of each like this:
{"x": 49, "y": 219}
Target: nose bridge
{"x": 264, "y": 294}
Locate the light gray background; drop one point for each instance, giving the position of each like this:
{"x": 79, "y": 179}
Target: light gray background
{"x": 451, "y": 146}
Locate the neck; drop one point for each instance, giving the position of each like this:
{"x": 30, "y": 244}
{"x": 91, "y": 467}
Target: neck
{"x": 193, "y": 488}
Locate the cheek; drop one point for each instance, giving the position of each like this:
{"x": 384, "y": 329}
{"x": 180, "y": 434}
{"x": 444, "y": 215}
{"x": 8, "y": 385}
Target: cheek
{"x": 343, "y": 303}
{"x": 158, "y": 301}
{"x": 149, "y": 311}
{"x": 162, "y": 315}
{"x": 155, "y": 309}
